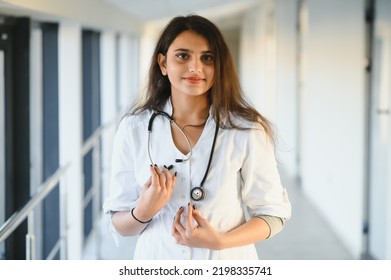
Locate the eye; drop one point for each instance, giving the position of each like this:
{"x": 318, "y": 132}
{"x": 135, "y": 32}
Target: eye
{"x": 182, "y": 56}
{"x": 207, "y": 58}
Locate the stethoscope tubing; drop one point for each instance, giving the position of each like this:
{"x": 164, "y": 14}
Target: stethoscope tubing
{"x": 150, "y": 124}
{"x": 197, "y": 193}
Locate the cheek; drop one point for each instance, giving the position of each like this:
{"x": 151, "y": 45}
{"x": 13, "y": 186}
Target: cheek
{"x": 174, "y": 72}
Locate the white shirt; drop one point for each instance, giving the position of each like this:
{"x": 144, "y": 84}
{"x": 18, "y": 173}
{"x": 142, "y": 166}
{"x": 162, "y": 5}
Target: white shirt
{"x": 243, "y": 175}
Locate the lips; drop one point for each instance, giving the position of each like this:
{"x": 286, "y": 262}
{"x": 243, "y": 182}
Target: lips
{"x": 194, "y": 79}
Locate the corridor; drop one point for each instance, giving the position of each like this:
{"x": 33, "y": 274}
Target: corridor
{"x": 318, "y": 70}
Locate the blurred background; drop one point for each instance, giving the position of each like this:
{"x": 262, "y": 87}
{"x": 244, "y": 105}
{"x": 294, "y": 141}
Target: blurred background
{"x": 319, "y": 70}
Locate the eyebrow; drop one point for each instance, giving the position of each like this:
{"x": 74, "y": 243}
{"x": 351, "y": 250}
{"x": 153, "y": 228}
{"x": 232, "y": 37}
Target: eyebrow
{"x": 187, "y": 50}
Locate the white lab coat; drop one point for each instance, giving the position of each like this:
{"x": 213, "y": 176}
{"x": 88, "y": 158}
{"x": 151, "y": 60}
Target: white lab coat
{"x": 243, "y": 176}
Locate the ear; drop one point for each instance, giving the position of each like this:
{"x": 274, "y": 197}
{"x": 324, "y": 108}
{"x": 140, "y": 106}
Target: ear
{"x": 161, "y": 59}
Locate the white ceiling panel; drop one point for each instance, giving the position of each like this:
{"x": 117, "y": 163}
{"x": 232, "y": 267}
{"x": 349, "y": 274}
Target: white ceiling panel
{"x": 147, "y": 10}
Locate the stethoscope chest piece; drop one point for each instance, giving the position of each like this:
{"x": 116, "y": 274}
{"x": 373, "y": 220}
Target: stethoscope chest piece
{"x": 197, "y": 193}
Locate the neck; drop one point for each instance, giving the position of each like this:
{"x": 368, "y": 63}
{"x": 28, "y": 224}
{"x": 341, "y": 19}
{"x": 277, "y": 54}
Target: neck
{"x": 190, "y": 110}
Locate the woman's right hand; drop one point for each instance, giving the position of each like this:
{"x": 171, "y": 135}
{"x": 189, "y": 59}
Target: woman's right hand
{"x": 155, "y": 193}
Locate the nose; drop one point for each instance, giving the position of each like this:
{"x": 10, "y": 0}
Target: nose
{"x": 195, "y": 66}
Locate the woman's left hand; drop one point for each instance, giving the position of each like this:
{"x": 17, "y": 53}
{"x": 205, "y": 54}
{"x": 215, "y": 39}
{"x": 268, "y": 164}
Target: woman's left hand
{"x": 199, "y": 234}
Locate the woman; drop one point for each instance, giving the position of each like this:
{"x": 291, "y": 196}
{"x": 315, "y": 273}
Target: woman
{"x": 194, "y": 172}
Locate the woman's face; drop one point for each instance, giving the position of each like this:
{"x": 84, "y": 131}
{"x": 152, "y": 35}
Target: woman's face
{"x": 189, "y": 64}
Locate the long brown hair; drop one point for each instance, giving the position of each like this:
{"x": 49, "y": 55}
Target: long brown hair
{"x": 226, "y": 96}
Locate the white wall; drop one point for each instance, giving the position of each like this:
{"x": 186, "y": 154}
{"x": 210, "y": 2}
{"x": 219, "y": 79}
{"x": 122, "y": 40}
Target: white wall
{"x": 268, "y": 72}
{"x": 70, "y": 131}
{"x": 36, "y": 128}
{"x": 258, "y": 58}
{"x": 333, "y": 116}
{"x": 286, "y": 87}
{"x": 380, "y": 149}
{"x": 148, "y": 41}
{"x": 128, "y": 69}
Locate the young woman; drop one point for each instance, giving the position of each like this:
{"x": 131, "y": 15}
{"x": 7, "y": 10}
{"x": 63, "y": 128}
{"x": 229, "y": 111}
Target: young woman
{"x": 194, "y": 172}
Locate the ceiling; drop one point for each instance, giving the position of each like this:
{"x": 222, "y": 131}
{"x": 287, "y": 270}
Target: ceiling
{"x": 155, "y": 10}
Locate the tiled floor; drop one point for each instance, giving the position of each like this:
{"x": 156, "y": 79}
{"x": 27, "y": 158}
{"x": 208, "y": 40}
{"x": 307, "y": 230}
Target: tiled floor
{"x": 305, "y": 237}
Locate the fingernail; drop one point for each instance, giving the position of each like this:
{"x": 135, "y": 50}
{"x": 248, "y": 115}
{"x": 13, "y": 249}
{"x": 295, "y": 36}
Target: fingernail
{"x": 194, "y": 208}
{"x": 180, "y": 208}
{"x": 165, "y": 166}
{"x": 188, "y": 204}
{"x": 175, "y": 174}
{"x": 170, "y": 167}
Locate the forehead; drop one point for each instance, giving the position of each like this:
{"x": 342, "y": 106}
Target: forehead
{"x": 191, "y": 41}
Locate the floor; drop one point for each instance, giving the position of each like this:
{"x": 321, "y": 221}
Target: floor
{"x": 306, "y": 236}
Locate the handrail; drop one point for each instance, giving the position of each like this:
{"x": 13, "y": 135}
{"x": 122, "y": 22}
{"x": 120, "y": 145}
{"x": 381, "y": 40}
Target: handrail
{"x": 90, "y": 142}
{"x": 26, "y": 212}
{"x": 19, "y": 216}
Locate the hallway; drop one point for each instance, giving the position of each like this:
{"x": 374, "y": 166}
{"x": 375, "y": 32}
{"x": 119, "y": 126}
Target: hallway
{"x": 318, "y": 70}
{"x": 306, "y": 236}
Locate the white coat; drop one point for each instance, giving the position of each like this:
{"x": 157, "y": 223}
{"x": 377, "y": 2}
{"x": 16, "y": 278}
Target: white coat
{"x": 243, "y": 177}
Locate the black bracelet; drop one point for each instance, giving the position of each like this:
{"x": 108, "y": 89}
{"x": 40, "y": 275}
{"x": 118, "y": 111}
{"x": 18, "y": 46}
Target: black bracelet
{"x": 138, "y": 219}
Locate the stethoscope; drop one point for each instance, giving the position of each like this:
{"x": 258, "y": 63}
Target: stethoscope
{"x": 196, "y": 193}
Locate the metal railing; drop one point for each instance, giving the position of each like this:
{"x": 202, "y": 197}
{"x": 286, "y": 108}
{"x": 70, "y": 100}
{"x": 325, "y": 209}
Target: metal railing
{"x": 26, "y": 211}
{"x": 93, "y": 143}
